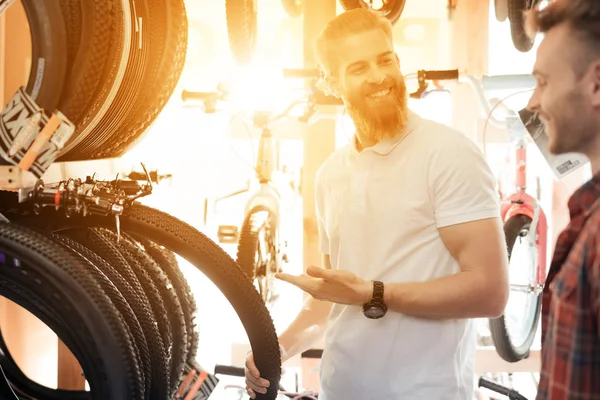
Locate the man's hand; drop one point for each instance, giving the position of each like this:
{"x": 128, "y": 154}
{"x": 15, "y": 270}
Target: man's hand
{"x": 336, "y": 286}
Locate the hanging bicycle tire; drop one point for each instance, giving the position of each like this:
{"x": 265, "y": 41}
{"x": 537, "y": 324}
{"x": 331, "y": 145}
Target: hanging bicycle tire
{"x": 98, "y": 69}
{"x": 513, "y": 336}
{"x": 516, "y": 16}
{"x": 201, "y": 252}
{"x": 257, "y": 250}
{"x": 46, "y": 279}
{"x": 391, "y": 9}
{"x": 242, "y": 29}
{"x": 156, "y": 61}
{"x": 48, "y": 48}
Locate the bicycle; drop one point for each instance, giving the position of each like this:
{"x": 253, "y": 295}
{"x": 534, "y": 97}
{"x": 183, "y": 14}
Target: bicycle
{"x": 524, "y": 220}
{"x": 261, "y": 248}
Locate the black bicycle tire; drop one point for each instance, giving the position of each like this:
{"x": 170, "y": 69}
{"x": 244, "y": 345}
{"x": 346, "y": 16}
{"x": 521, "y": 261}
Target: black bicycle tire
{"x": 168, "y": 262}
{"x": 168, "y": 26}
{"x": 516, "y": 17}
{"x": 242, "y": 29}
{"x": 87, "y": 302}
{"x": 98, "y": 69}
{"x": 48, "y": 47}
{"x": 498, "y": 327}
{"x": 392, "y": 10}
{"x": 167, "y": 300}
{"x": 130, "y": 88}
{"x": 205, "y": 255}
{"x": 101, "y": 245}
{"x": 112, "y": 284}
{"x": 71, "y": 14}
{"x": 292, "y": 8}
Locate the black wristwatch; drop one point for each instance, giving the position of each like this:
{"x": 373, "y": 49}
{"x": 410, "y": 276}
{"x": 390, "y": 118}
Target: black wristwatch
{"x": 375, "y": 308}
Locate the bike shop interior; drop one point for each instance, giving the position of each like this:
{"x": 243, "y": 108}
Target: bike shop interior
{"x": 210, "y": 114}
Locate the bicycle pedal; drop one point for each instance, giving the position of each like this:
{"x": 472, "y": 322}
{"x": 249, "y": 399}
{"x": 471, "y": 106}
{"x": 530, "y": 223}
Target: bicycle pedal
{"x": 228, "y": 234}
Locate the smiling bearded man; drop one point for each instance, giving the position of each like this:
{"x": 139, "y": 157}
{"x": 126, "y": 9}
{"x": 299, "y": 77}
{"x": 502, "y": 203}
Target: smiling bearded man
{"x": 412, "y": 243}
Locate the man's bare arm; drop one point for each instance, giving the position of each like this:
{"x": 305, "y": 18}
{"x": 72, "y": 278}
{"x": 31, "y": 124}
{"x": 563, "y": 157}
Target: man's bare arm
{"x": 309, "y": 326}
{"x": 479, "y": 290}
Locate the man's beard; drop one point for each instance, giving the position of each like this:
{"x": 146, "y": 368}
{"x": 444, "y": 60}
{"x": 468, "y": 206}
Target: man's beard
{"x": 376, "y": 122}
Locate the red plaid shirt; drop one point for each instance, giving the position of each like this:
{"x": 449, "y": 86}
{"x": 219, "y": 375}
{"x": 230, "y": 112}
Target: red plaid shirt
{"x": 571, "y": 305}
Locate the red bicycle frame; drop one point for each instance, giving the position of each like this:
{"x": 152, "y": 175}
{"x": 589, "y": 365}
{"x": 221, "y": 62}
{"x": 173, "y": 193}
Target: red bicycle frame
{"x": 521, "y": 202}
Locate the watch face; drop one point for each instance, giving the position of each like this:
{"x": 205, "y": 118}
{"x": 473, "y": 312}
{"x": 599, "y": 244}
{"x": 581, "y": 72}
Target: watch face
{"x": 374, "y": 312}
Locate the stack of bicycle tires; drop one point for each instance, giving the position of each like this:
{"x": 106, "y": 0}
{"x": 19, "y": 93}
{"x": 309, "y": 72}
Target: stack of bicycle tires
{"x": 119, "y": 302}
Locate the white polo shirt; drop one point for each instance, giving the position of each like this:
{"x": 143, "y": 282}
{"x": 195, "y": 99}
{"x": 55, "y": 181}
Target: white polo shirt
{"x": 378, "y": 213}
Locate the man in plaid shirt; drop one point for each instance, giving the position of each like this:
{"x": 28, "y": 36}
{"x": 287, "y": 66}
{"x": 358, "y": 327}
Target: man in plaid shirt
{"x": 567, "y": 100}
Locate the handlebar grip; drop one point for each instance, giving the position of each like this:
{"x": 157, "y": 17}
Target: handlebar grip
{"x": 229, "y": 370}
{"x": 450, "y": 74}
{"x": 300, "y": 73}
{"x": 189, "y": 95}
{"x": 510, "y": 393}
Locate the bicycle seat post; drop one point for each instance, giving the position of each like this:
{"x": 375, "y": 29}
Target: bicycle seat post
{"x": 265, "y": 161}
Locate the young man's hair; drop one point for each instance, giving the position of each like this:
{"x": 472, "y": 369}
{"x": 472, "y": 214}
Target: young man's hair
{"x": 347, "y": 23}
{"x": 583, "y": 19}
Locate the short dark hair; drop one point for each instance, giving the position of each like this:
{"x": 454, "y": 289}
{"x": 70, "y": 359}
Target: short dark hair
{"x": 582, "y": 17}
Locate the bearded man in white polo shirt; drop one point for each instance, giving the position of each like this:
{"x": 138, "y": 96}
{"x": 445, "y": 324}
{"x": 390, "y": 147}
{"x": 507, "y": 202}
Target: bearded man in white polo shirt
{"x": 412, "y": 242}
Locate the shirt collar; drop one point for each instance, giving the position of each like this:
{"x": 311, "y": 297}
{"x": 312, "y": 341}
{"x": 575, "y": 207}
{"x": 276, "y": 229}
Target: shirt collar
{"x": 389, "y": 143}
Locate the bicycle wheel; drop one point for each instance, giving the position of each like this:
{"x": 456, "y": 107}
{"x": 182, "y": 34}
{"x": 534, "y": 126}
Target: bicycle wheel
{"x": 242, "y": 29}
{"x": 201, "y": 252}
{"x": 391, "y": 9}
{"x": 516, "y": 16}
{"x": 514, "y": 331}
{"x": 257, "y": 250}
{"x": 46, "y": 279}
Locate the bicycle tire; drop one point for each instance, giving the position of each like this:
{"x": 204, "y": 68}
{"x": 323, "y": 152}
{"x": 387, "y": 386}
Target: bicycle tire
{"x": 115, "y": 286}
{"x": 391, "y": 10}
{"x": 54, "y": 280}
{"x": 71, "y": 14}
{"x": 293, "y": 8}
{"x": 516, "y": 16}
{"x": 98, "y": 243}
{"x": 242, "y": 29}
{"x": 257, "y": 220}
{"x": 201, "y": 252}
{"x": 168, "y": 262}
{"x": 48, "y": 48}
{"x": 168, "y": 308}
{"x": 130, "y": 87}
{"x": 505, "y": 346}
{"x": 168, "y": 34}
{"x": 98, "y": 69}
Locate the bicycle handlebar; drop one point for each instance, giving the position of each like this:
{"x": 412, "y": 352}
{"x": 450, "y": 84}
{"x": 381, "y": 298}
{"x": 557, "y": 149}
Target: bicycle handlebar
{"x": 510, "y": 393}
{"x": 479, "y": 86}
